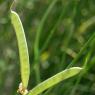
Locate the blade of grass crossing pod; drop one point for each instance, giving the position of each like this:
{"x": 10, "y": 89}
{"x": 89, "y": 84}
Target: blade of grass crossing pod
{"x": 87, "y": 58}
{"x": 90, "y": 40}
{"x": 23, "y": 50}
{"x": 54, "y": 80}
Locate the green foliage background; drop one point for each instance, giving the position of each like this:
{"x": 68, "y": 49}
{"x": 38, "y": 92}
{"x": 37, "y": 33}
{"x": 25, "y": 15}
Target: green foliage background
{"x": 64, "y": 30}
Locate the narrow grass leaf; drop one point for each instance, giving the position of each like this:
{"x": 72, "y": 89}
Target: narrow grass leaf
{"x": 90, "y": 40}
{"x": 54, "y": 80}
{"x": 39, "y": 30}
{"x": 23, "y": 50}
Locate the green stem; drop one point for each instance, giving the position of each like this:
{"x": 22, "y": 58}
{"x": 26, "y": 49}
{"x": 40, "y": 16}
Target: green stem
{"x": 37, "y": 72}
{"x": 39, "y": 30}
{"x": 71, "y": 31}
{"x": 36, "y": 44}
{"x": 53, "y": 30}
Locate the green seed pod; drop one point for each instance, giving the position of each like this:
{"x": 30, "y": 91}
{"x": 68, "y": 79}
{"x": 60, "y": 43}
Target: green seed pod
{"x": 67, "y": 73}
{"x": 23, "y": 50}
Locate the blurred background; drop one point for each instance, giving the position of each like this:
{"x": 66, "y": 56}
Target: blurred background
{"x": 60, "y": 29}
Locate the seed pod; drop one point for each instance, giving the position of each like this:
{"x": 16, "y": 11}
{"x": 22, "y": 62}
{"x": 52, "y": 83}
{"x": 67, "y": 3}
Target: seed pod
{"x": 23, "y": 50}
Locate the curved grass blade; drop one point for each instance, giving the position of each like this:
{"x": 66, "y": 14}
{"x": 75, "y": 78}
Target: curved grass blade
{"x": 23, "y": 50}
{"x": 54, "y": 80}
{"x": 85, "y": 25}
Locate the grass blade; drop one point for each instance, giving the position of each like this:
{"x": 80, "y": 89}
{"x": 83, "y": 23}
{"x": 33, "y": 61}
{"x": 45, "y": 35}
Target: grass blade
{"x": 90, "y": 40}
{"x": 85, "y": 25}
{"x": 39, "y": 30}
